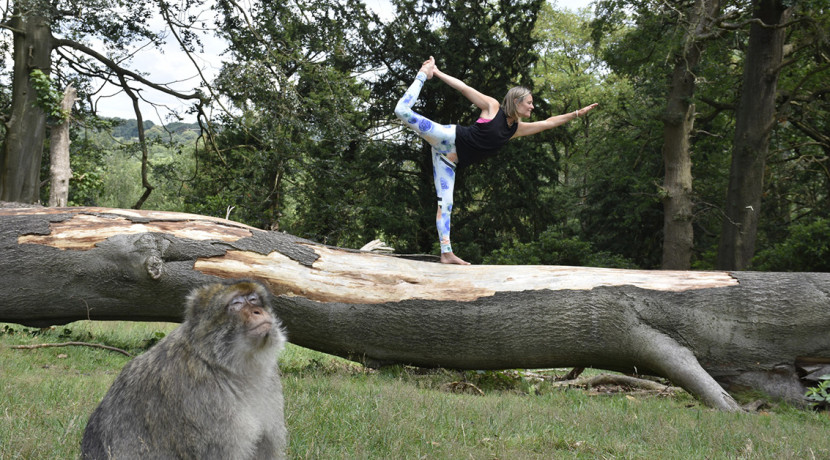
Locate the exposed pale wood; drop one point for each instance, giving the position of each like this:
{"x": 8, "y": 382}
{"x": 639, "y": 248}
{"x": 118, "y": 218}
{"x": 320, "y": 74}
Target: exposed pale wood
{"x": 702, "y": 330}
{"x": 616, "y": 379}
{"x": 59, "y": 170}
{"x": 345, "y": 276}
{"x": 83, "y": 232}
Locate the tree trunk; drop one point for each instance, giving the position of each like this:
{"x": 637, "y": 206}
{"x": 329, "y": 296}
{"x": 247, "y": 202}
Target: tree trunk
{"x": 678, "y": 121}
{"x": 59, "y": 168}
{"x": 22, "y": 152}
{"x": 699, "y": 329}
{"x": 754, "y": 121}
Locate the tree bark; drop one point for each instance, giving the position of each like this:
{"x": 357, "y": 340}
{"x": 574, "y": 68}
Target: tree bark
{"x": 678, "y": 121}
{"x": 59, "y": 167}
{"x": 754, "y": 121}
{"x": 705, "y": 331}
{"x": 22, "y": 151}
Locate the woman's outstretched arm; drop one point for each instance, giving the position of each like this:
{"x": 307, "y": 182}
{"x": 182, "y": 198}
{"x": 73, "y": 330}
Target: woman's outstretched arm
{"x": 487, "y": 104}
{"x": 526, "y": 129}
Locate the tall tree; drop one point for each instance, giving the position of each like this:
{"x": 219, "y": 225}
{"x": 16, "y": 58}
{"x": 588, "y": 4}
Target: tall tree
{"x": 623, "y": 212}
{"x": 43, "y": 29}
{"x": 678, "y": 122}
{"x": 663, "y": 55}
{"x": 755, "y": 119}
{"x": 29, "y": 22}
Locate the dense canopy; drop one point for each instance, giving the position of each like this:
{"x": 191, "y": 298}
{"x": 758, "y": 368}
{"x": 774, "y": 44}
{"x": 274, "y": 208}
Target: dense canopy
{"x": 677, "y": 168}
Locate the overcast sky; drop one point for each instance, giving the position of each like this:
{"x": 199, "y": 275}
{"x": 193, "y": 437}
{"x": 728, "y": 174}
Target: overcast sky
{"x": 172, "y": 66}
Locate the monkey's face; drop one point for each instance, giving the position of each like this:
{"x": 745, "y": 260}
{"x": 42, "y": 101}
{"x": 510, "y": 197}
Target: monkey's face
{"x": 233, "y": 320}
{"x": 256, "y": 320}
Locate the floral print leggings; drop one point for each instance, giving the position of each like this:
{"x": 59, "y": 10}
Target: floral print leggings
{"x": 442, "y": 140}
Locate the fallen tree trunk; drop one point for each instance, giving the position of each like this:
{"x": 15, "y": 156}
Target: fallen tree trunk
{"x": 701, "y": 330}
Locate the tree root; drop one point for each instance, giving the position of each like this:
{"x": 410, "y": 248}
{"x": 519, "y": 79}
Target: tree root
{"x": 68, "y": 344}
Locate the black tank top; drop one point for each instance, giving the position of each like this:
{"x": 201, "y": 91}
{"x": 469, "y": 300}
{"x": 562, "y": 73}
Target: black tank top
{"x": 482, "y": 140}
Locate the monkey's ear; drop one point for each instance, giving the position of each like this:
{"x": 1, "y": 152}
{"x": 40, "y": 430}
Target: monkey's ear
{"x": 198, "y": 299}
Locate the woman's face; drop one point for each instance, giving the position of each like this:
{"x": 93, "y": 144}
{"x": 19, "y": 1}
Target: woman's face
{"x": 524, "y": 106}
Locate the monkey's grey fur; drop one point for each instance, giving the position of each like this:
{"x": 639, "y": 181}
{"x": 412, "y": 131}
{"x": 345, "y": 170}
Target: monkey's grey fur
{"x": 209, "y": 390}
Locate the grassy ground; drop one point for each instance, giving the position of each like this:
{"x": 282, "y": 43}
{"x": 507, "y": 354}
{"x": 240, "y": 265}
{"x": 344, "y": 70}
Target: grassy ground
{"x": 338, "y": 410}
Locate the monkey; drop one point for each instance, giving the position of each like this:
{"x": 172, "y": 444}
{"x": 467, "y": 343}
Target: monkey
{"x": 210, "y": 389}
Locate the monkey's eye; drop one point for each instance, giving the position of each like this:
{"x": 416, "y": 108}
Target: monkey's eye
{"x": 253, "y": 299}
{"x": 237, "y": 303}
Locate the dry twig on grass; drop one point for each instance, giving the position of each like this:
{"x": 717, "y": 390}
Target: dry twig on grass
{"x": 69, "y": 344}
{"x": 462, "y": 387}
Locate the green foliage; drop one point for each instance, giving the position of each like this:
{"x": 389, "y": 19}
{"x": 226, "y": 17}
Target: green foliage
{"x": 245, "y": 175}
{"x": 128, "y": 129}
{"x": 639, "y": 39}
{"x": 805, "y": 249}
{"x": 819, "y": 396}
{"x": 292, "y": 159}
{"x": 169, "y": 170}
{"x": 553, "y": 247}
{"x": 310, "y": 145}
{"x": 49, "y": 98}
{"x": 90, "y": 142}
{"x": 620, "y": 211}
{"x": 106, "y": 170}
{"x": 87, "y": 159}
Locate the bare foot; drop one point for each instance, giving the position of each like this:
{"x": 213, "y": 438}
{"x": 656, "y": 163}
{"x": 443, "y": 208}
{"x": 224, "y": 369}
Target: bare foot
{"x": 428, "y": 67}
{"x": 450, "y": 258}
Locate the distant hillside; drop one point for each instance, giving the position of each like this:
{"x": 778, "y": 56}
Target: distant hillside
{"x": 128, "y": 129}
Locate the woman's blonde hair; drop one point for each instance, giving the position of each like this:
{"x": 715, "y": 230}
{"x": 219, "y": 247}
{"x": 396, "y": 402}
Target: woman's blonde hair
{"x": 511, "y": 100}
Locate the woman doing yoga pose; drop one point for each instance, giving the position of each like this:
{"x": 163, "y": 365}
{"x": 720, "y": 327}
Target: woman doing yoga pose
{"x": 455, "y": 145}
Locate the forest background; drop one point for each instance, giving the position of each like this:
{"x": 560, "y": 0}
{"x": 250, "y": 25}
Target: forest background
{"x": 710, "y": 148}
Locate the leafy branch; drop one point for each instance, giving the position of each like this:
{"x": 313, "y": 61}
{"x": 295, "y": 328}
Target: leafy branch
{"x": 49, "y": 98}
{"x": 819, "y": 396}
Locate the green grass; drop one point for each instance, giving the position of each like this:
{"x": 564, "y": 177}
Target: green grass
{"x": 339, "y": 410}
